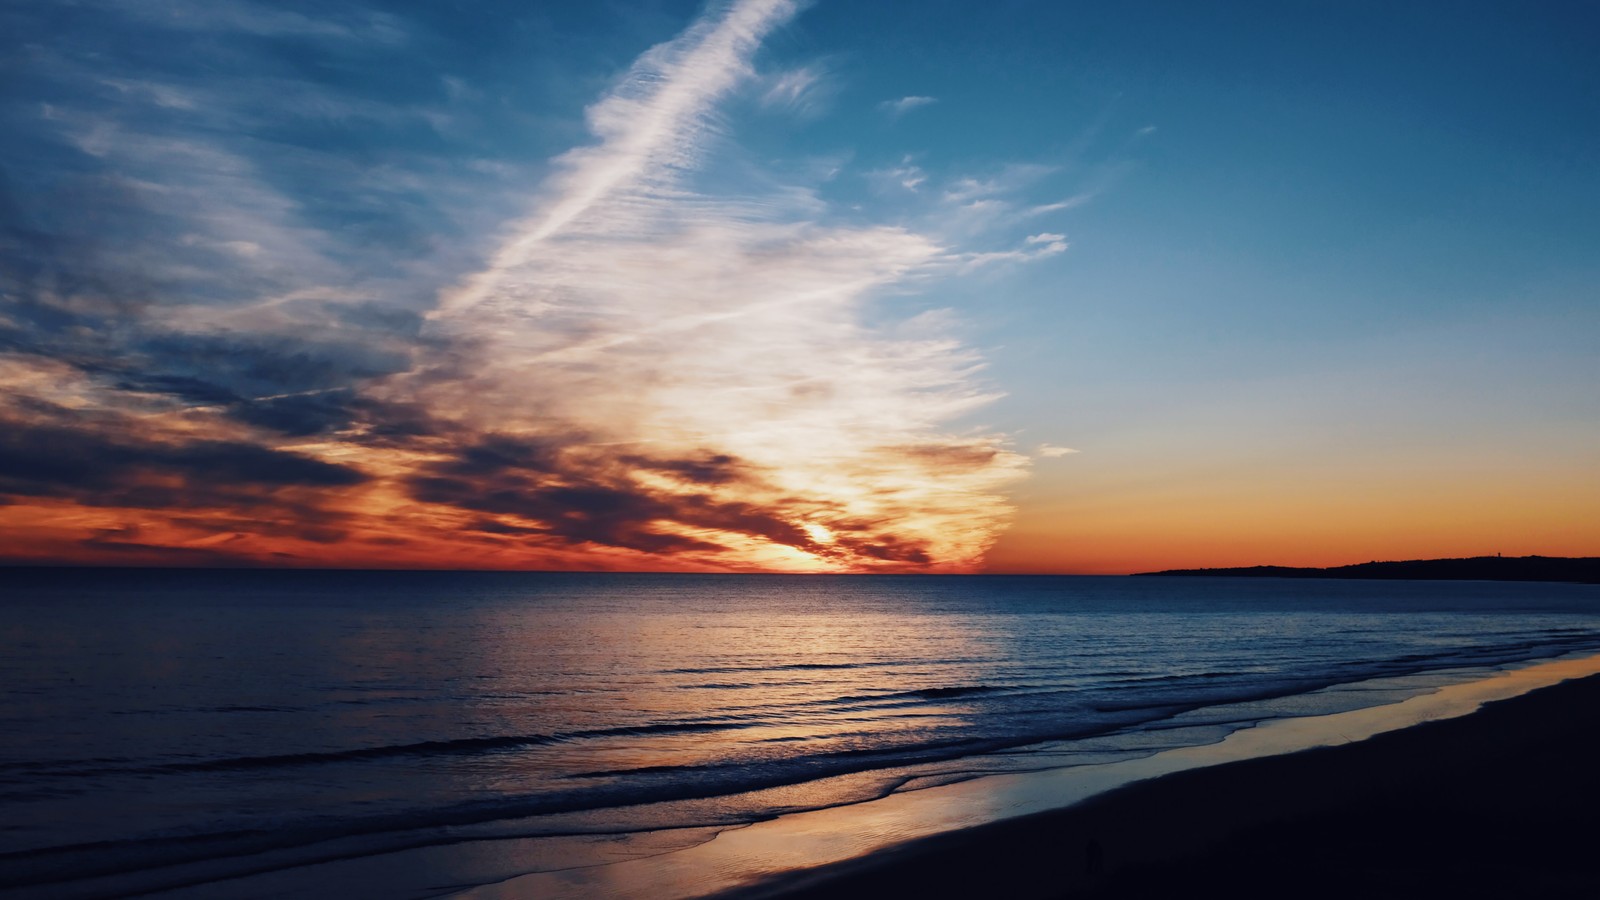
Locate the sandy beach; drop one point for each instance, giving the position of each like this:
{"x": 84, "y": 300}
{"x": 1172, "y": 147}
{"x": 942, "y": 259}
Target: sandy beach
{"x": 1500, "y": 802}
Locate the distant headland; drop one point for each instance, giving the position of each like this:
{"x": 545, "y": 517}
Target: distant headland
{"x": 1477, "y": 568}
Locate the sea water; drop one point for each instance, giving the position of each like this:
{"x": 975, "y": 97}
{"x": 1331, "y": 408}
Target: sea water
{"x": 167, "y": 728}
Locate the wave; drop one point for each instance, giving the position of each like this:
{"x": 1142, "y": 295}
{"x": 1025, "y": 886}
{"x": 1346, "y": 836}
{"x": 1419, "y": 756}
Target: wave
{"x": 288, "y": 844}
{"x": 456, "y": 747}
{"x": 790, "y": 667}
{"x": 847, "y": 701}
{"x": 1147, "y": 678}
{"x": 1156, "y": 698}
{"x": 238, "y": 851}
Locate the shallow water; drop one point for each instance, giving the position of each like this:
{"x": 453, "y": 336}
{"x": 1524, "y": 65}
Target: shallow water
{"x": 164, "y": 727}
{"x": 765, "y": 859}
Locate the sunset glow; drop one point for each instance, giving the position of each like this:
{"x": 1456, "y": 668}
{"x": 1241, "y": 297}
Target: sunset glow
{"x": 749, "y": 286}
{"x": 646, "y": 374}
{"x": 682, "y": 449}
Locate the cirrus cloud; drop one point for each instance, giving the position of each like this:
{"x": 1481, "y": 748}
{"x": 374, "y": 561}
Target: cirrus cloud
{"x": 650, "y": 367}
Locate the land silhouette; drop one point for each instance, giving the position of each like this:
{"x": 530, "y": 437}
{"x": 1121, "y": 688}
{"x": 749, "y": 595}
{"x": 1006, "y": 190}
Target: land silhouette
{"x": 1585, "y": 570}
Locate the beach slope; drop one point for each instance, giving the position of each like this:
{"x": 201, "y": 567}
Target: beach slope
{"x": 1501, "y": 802}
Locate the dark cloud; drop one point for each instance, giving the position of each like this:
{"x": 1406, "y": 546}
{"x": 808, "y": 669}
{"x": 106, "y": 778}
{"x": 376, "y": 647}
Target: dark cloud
{"x": 585, "y": 513}
{"x": 169, "y": 555}
{"x": 712, "y": 468}
{"x": 186, "y": 387}
{"x": 295, "y": 387}
{"x": 492, "y": 526}
{"x": 493, "y": 454}
{"x": 98, "y": 469}
{"x": 343, "y": 411}
{"x": 301, "y": 415}
{"x": 146, "y": 197}
{"x": 264, "y": 365}
{"x": 316, "y": 529}
{"x": 742, "y": 518}
{"x": 80, "y": 293}
{"x": 520, "y": 478}
{"x": 888, "y": 548}
{"x": 63, "y": 289}
{"x": 398, "y": 424}
{"x": 388, "y": 540}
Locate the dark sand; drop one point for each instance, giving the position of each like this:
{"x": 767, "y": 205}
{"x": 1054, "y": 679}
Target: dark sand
{"x": 1504, "y": 802}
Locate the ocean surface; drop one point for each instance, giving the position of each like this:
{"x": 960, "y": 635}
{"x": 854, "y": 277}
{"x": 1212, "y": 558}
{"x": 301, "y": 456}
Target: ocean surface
{"x": 166, "y": 728}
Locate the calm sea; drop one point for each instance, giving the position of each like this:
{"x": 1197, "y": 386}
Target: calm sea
{"x": 161, "y": 728}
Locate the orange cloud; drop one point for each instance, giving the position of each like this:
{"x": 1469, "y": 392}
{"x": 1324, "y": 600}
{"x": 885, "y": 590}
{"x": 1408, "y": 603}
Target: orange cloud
{"x": 642, "y": 376}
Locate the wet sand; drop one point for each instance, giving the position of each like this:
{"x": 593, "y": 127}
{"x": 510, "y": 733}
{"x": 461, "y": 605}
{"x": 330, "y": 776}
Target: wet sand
{"x": 1501, "y": 802}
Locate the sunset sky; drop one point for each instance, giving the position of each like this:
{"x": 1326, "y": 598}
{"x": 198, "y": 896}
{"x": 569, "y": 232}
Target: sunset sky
{"x": 765, "y": 285}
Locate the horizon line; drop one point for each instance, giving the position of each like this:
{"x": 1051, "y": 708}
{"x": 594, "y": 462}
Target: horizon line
{"x": 90, "y": 566}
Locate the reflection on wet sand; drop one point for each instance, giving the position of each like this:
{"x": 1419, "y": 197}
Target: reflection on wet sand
{"x": 747, "y": 857}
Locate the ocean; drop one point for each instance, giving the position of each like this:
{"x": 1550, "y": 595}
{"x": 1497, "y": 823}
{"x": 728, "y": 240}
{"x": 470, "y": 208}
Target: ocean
{"x": 223, "y": 733}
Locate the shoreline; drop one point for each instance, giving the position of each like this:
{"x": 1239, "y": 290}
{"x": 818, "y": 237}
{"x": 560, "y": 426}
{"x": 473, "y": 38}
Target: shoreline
{"x": 1496, "y": 802}
{"x": 1027, "y": 834}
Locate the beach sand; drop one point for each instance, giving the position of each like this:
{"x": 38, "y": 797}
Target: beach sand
{"x": 1501, "y": 802}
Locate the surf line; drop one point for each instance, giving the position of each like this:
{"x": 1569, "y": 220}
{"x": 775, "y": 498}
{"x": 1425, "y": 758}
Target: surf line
{"x": 759, "y": 853}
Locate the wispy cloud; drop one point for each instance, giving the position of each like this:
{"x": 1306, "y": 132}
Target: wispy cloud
{"x": 1072, "y": 202}
{"x": 802, "y": 91}
{"x": 277, "y": 359}
{"x": 654, "y": 123}
{"x": 1035, "y": 247}
{"x": 264, "y": 20}
{"x": 897, "y": 108}
{"x": 1053, "y": 451}
{"x": 674, "y": 324}
{"x": 1008, "y": 180}
{"x": 907, "y": 175}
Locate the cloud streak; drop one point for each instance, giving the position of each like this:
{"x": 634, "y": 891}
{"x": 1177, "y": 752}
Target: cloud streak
{"x": 898, "y": 108}
{"x": 650, "y": 124}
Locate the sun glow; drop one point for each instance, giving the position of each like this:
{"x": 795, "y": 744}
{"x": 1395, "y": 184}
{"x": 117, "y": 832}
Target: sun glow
{"x": 819, "y": 533}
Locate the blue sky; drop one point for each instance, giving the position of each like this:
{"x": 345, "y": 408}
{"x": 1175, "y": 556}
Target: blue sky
{"x": 1280, "y": 274}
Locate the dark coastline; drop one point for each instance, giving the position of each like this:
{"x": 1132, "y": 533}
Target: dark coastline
{"x": 1499, "y": 803}
{"x": 1584, "y": 570}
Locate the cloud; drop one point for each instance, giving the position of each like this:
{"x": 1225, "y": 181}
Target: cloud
{"x": 653, "y": 314}
{"x": 898, "y": 108}
{"x": 653, "y": 123}
{"x": 1072, "y": 202}
{"x": 1034, "y": 247}
{"x": 116, "y": 461}
{"x": 906, "y": 176}
{"x": 263, "y": 352}
{"x": 801, "y": 91}
{"x": 1053, "y": 451}
{"x": 1008, "y": 180}
{"x": 263, "y": 20}
{"x": 974, "y": 207}
{"x": 196, "y": 296}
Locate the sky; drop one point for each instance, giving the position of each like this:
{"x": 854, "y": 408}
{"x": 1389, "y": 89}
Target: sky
{"x": 767, "y": 285}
